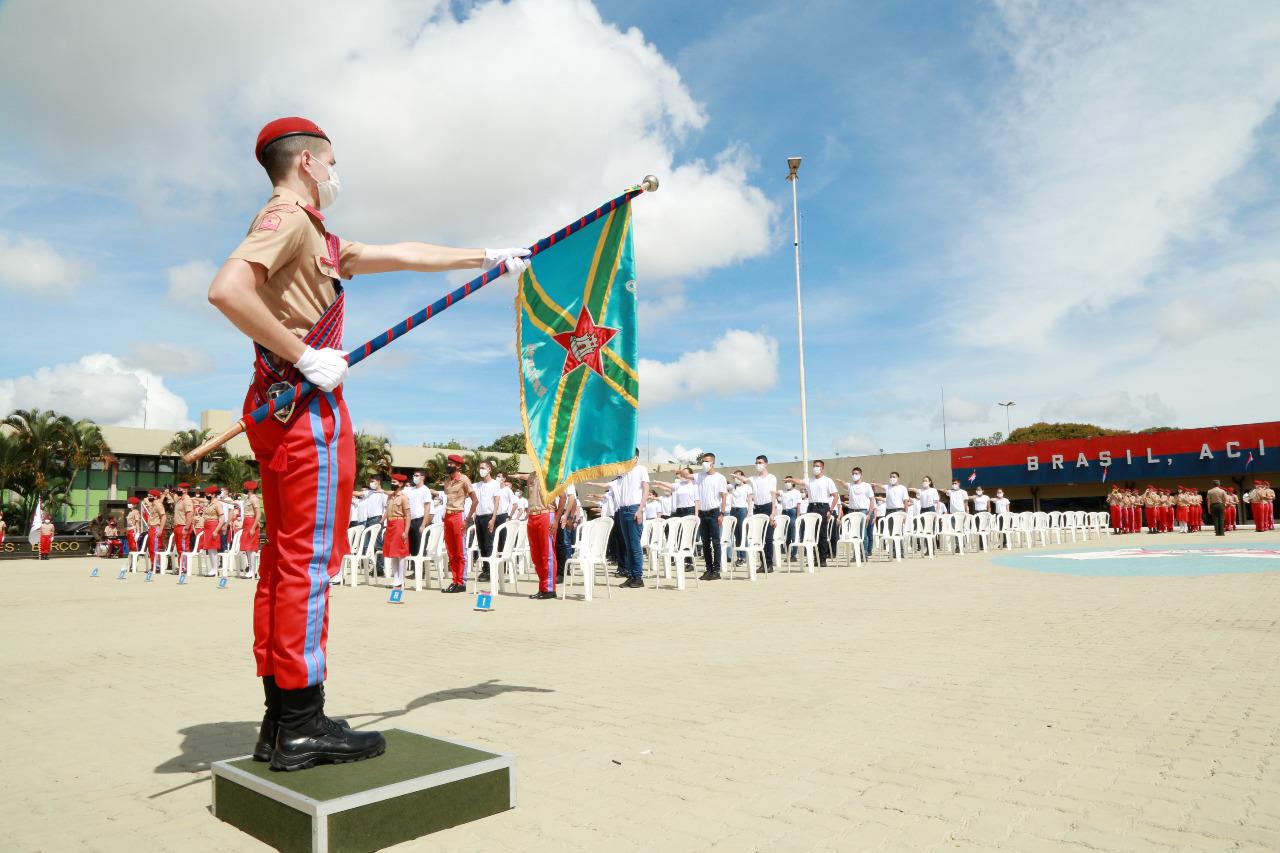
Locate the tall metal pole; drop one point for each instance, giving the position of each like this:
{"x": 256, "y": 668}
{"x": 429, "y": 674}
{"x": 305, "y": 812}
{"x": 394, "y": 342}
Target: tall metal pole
{"x": 945, "y": 446}
{"x": 794, "y": 164}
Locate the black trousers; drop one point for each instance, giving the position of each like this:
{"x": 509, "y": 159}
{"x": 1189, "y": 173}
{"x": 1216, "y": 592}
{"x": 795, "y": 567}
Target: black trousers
{"x": 415, "y": 535}
{"x": 1215, "y": 510}
{"x": 824, "y": 533}
{"x": 683, "y": 511}
{"x": 766, "y": 509}
{"x": 484, "y": 536}
{"x": 709, "y": 527}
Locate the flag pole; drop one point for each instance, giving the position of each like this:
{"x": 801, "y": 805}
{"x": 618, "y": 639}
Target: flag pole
{"x": 369, "y": 347}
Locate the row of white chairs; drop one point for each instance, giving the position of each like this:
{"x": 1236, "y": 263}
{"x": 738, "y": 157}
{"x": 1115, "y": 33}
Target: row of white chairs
{"x": 898, "y": 534}
{"x": 194, "y": 561}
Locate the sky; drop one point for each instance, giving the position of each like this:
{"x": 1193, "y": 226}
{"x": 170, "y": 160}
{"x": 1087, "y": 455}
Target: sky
{"x": 1069, "y": 205}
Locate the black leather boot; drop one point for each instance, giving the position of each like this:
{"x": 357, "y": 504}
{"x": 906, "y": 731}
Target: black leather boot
{"x": 267, "y": 733}
{"x": 307, "y": 737}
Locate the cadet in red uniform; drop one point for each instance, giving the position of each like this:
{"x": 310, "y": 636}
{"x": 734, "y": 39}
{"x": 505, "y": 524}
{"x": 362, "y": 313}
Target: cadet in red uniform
{"x": 457, "y": 489}
{"x": 133, "y": 525}
{"x": 153, "y": 512}
{"x": 183, "y": 511}
{"x": 1232, "y": 508}
{"x": 542, "y": 539}
{"x": 249, "y": 533}
{"x": 280, "y": 287}
{"x": 46, "y": 537}
{"x": 395, "y": 539}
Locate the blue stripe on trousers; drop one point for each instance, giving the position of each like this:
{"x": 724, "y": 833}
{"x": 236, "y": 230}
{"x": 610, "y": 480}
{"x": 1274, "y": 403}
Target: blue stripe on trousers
{"x": 322, "y": 537}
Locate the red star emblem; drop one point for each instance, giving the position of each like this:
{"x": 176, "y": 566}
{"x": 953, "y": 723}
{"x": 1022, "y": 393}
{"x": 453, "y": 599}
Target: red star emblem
{"x": 584, "y": 344}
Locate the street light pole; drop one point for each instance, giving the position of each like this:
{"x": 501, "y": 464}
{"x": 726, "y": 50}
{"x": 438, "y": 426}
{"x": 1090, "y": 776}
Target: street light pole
{"x": 793, "y": 165}
{"x": 1007, "y": 428}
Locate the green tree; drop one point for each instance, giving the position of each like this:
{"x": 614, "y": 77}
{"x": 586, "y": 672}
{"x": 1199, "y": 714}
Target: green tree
{"x": 232, "y": 471}
{"x": 83, "y": 445}
{"x": 451, "y": 444}
{"x": 1043, "y": 431}
{"x": 185, "y": 441}
{"x": 996, "y": 438}
{"x": 373, "y": 455}
{"x": 513, "y": 443}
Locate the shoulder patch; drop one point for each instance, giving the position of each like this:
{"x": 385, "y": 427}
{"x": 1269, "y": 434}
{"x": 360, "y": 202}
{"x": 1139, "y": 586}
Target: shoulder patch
{"x": 268, "y": 222}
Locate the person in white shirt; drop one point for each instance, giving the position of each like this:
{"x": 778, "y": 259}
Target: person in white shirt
{"x": 666, "y": 506}
{"x": 764, "y": 501}
{"x": 568, "y": 515}
{"x": 981, "y": 503}
{"x": 373, "y": 506}
{"x": 357, "y": 509}
{"x": 712, "y": 503}
{"x": 739, "y": 500}
{"x": 632, "y": 487}
{"x": 653, "y": 507}
{"x": 684, "y": 492}
{"x": 1001, "y": 502}
{"x": 789, "y": 505}
{"x": 958, "y": 498}
{"x": 927, "y": 496}
{"x": 895, "y": 494}
{"x": 419, "y": 510}
{"x": 862, "y": 498}
{"x": 486, "y": 489}
{"x": 823, "y": 497}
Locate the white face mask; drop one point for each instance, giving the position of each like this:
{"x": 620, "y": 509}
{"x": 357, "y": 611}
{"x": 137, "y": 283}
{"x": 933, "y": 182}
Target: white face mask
{"x": 999, "y": 494}
{"x": 790, "y": 485}
{"x": 760, "y": 466}
{"x": 417, "y": 479}
{"x": 373, "y": 486}
{"x": 817, "y": 470}
{"x": 856, "y": 477}
{"x": 706, "y": 466}
{"x": 925, "y": 484}
{"x": 327, "y": 190}
{"x": 955, "y": 486}
{"x": 484, "y": 472}
{"x": 893, "y": 481}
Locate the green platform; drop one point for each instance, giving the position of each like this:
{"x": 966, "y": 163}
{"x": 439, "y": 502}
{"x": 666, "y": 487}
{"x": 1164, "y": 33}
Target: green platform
{"x": 420, "y": 785}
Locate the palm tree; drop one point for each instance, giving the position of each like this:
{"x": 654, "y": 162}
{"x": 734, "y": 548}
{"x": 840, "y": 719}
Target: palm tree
{"x": 83, "y": 445}
{"x": 40, "y": 437}
{"x": 185, "y": 441}
{"x": 12, "y": 460}
{"x": 373, "y": 455}
{"x": 232, "y": 471}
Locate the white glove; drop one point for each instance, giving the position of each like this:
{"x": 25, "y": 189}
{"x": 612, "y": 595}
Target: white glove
{"x": 324, "y": 368}
{"x": 515, "y": 258}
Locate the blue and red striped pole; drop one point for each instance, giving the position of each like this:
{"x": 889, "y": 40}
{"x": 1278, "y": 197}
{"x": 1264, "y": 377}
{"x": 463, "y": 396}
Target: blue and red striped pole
{"x": 368, "y": 348}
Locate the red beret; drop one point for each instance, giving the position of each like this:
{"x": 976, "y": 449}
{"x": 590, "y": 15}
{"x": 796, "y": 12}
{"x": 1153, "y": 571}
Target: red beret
{"x": 250, "y": 485}
{"x": 184, "y": 485}
{"x": 399, "y": 478}
{"x": 211, "y": 490}
{"x": 155, "y": 493}
{"x": 282, "y": 127}
{"x": 454, "y": 457}
{"x": 134, "y": 501}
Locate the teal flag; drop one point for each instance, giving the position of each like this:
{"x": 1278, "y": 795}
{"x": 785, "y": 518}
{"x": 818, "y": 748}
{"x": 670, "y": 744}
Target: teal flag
{"x": 576, "y": 348}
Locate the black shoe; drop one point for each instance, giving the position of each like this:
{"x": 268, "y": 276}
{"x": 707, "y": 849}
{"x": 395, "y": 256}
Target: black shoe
{"x": 633, "y": 583}
{"x": 769, "y": 569}
{"x": 324, "y": 741}
{"x": 455, "y": 587}
{"x": 559, "y": 577}
{"x": 621, "y": 575}
{"x": 484, "y": 578}
{"x": 705, "y": 576}
{"x": 266, "y": 745}
{"x": 714, "y": 576}
{"x": 543, "y": 594}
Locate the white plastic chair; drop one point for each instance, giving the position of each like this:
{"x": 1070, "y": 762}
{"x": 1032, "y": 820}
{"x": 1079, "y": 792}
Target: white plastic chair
{"x": 979, "y": 530}
{"x": 923, "y": 534}
{"x": 952, "y": 528}
{"x": 780, "y": 549}
{"x": 429, "y": 542}
{"x": 852, "y": 527}
{"x": 229, "y": 560}
{"x": 888, "y": 535}
{"x": 728, "y": 538}
{"x": 807, "y": 529}
{"x": 196, "y": 562}
{"x": 502, "y": 559}
{"x": 165, "y": 558}
{"x": 138, "y": 556}
{"x": 1040, "y": 527}
{"x": 658, "y": 531}
{"x": 753, "y": 547}
{"x": 589, "y": 557}
{"x": 361, "y": 556}
{"x": 522, "y": 559}
{"x": 682, "y": 535}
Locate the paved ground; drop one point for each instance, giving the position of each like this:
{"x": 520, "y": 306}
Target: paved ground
{"x": 928, "y": 705}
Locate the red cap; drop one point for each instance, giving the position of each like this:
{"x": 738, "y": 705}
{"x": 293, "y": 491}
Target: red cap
{"x": 184, "y": 485}
{"x": 211, "y": 490}
{"x": 250, "y": 485}
{"x": 155, "y": 493}
{"x": 454, "y": 457}
{"x": 134, "y": 501}
{"x": 399, "y": 478}
{"x": 282, "y": 127}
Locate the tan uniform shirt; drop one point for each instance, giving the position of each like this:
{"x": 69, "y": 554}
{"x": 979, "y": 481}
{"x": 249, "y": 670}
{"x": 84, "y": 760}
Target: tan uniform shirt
{"x": 1217, "y": 495}
{"x": 212, "y": 509}
{"x": 456, "y": 489}
{"x": 533, "y": 493}
{"x": 287, "y": 238}
{"x": 134, "y": 521}
{"x": 182, "y": 512}
{"x": 155, "y": 513}
{"x": 252, "y": 508}
{"x": 398, "y": 506}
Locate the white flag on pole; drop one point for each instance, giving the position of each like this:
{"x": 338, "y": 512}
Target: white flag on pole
{"x": 34, "y": 536}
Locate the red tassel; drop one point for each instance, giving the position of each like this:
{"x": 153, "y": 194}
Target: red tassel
{"x": 279, "y": 460}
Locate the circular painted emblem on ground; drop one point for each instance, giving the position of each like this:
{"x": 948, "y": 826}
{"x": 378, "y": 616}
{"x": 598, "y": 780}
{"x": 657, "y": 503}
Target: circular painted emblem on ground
{"x": 1152, "y": 561}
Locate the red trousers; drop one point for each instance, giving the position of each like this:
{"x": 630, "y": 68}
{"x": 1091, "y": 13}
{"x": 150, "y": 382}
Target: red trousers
{"x": 46, "y": 544}
{"x": 153, "y": 545}
{"x": 453, "y": 543}
{"x": 542, "y": 549}
{"x": 113, "y": 547}
{"x": 133, "y": 540}
{"x": 307, "y": 471}
{"x": 1263, "y": 516}
{"x": 1115, "y": 517}
{"x": 180, "y": 540}
{"x": 1229, "y": 517}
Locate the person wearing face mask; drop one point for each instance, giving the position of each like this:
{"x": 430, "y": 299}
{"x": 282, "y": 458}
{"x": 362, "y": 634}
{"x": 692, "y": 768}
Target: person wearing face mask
{"x": 739, "y": 498}
{"x": 789, "y": 504}
{"x": 981, "y": 503}
{"x": 396, "y": 538}
{"x": 457, "y": 490}
{"x": 895, "y": 494}
{"x": 504, "y": 505}
{"x": 862, "y": 498}
{"x": 419, "y": 496}
{"x": 486, "y": 496}
{"x": 957, "y": 498}
{"x": 711, "y": 506}
{"x": 373, "y": 503}
{"x": 927, "y": 496}
{"x": 684, "y": 492}
{"x": 822, "y": 500}
{"x": 764, "y": 497}
{"x": 281, "y": 288}
{"x": 1001, "y": 503}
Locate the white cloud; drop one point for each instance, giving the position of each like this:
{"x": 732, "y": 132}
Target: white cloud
{"x": 1120, "y": 128}
{"x": 738, "y": 362}
{"x": 100, "y": 387}
{"x": 30, "y": 264}
{"x": 188, "y": 284}
{"x": 678, "y": 455}
{"x": 494, "y": 128}
{"x": 855, "y": 445}
{"x": 171, "y": 359}
{"x": 962, "y": 411}
{"x": 375, "y": 427}
{"x": 1111, "y": 409}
